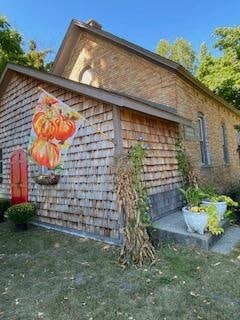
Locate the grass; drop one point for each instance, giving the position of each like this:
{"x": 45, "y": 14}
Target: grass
{"x": 48, "y": 275}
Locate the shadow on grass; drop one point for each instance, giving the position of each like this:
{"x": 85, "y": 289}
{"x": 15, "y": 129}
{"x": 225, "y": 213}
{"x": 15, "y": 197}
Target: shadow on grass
{"x": 49, "y": 275}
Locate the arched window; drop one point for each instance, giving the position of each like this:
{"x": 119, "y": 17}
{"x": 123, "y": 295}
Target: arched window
{"x": 88, "y": 76}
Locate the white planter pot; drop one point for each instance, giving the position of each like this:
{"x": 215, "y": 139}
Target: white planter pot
{"x": 221, "y": 208}
{"x": 196, "y": 222}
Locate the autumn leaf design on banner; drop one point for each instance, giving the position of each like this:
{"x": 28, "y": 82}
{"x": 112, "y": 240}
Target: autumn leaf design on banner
{"x": 54, "y": 125}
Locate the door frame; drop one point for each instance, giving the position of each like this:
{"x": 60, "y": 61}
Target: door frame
{"x": 25, "y": 161}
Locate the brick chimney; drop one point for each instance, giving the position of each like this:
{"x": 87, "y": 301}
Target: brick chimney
{"x": 93, "y": 23}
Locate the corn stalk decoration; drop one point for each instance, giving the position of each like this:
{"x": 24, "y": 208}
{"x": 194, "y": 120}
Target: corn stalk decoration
{"x": 132, "y": 198}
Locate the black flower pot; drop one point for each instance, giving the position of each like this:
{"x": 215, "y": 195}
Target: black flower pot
{"x": 1, "y": 217}
{"x": 21, "y": 226}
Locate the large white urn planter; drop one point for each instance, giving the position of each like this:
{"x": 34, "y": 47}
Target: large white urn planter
{"x": 221, "y": 207}
{"x": 196, "y": 222}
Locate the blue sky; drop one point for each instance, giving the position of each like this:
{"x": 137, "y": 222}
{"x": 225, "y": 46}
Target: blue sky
{"x": 141, "y": 22}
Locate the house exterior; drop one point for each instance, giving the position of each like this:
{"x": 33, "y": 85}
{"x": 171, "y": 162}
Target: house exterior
{"x": 131, "y": 95}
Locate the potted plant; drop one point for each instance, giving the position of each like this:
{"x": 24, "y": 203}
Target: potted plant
{"x": 195, "y": 216}
{"x": 4, "y": 205}
{"x": 20, "y": 214}
{"x": 199, "y": 217}
{"x": 221, "y": 202}
{"x": 45, "y": 179}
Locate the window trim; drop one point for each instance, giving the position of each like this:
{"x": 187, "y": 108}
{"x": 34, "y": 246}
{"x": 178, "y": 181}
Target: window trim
{"x": 202, "y": 136}
{"x": 1, "y": 165}
{"x": 224, "y": 143}
{"x": 85, "y": 69}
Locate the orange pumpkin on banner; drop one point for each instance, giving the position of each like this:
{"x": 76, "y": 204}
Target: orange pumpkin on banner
{"x": 44, "y": 126}
{"x": 46, "y": 153}
{"x": 48, "y": 100}
{"x": 65, "y": 127}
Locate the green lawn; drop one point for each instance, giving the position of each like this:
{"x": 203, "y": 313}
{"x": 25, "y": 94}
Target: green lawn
{"x": 48, "y": 275}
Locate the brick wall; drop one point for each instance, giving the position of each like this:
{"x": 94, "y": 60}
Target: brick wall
{"x": 190, "y": 102}
{"x": 118, "y": 69}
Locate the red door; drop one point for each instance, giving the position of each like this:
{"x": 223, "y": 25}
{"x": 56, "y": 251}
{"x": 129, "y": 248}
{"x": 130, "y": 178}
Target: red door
{"x": 19, "y": 176}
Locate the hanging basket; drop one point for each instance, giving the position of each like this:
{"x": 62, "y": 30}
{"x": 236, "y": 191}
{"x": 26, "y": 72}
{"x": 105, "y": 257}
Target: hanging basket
{"x": 47, "y": 179}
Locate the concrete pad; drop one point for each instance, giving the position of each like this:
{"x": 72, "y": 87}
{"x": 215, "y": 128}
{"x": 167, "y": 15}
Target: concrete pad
{"x": 229, "y": 240}
{"x": 172, "y": 229}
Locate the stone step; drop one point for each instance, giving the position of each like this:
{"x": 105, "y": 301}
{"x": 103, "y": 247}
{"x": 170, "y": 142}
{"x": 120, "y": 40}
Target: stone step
{"x": 229, "y": 240}
{"x": 172, "y": 229}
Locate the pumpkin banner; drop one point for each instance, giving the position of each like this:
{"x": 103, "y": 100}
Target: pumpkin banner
{"x": 54, "y": 126}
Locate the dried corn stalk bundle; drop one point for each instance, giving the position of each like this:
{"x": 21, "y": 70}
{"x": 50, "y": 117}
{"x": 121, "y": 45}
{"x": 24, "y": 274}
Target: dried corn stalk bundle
{"x": 136, "y": 245}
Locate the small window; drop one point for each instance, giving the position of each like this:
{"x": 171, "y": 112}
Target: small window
{"x": 88, "y": 76}
{"x": 203, "y": 139}
{"x": 1, "y": 165}
{"x": 224, "y": 143}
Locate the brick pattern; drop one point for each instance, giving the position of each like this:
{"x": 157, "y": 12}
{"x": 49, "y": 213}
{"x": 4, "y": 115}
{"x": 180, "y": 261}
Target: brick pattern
{"x": 119, "y": 70}
{"x": 190, "y": 103}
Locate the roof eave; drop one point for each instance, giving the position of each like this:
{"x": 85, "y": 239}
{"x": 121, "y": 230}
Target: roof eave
{"x": 68, "y": 42}
{"x": 166, "y": 63}
{"x": 93, "y": 92}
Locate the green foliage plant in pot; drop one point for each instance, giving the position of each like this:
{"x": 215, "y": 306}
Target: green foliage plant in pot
{"x": 199, "y": 217}
{"x": 195, "y": 216}
{"x": 221, "y": 202}
{"x": 4, "y": 205}
{"x": 20, "y": 214}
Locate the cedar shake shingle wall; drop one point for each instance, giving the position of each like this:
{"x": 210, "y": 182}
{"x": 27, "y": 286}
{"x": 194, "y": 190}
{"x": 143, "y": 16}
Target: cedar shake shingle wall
{"x": 119, "y": 70}
{"x": 84, "y": 197}
{"x": 161, "y": 175}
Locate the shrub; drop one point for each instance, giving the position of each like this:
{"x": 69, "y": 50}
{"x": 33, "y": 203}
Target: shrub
{"x": 4, "y": 205}
{"x": 234, "y": 213}
{"x": 20, "y": 213}
{"x": 234, "y": 192}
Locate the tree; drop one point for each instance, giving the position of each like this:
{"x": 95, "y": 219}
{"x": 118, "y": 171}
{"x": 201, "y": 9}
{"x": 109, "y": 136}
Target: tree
{"x": 10, "y": 44}
{"x": 222, "y": 74}
{"x": 34, "y": 58}
{"x": 180, "y": 51}
{"x": 11, "y": 48}
{"x": 228, "y": 38}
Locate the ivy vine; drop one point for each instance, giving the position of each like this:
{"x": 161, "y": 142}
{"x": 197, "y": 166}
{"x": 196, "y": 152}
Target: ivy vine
{"x": 213, "y": 222}
{"x": 182, "y": 159}
{"x": 137, "y": 154}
